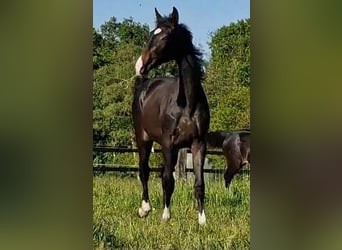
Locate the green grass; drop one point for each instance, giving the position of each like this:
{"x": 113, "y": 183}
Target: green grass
{"x": 116, "y": 223}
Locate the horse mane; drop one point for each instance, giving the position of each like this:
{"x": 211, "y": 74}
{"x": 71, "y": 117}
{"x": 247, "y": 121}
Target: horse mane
{"x": 184, "y": 32}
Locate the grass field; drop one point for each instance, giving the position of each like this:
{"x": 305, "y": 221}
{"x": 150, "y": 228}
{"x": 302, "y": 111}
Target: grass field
{"x": 116, "y": 223}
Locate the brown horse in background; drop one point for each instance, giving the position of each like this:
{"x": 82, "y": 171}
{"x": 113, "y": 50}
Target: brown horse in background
{"x": 173, "y": 112}
{"x": 235, "y": 147}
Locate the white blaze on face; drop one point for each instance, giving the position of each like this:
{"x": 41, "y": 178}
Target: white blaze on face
{"x": 157, "y": 31}
{"x": 138, "y": 66}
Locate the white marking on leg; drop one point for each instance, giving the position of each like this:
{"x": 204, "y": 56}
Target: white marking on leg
{"x": 144, "y": 209}
{"x": 166, "y": 214}
{"x": 201, "y": 218}
{"x": 138, "y": 66}
{"x": 157, "y": 31}
{"x": 145, "y": 205}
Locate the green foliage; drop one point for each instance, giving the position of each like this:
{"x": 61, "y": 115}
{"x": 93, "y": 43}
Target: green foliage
{"x": 114, "y": 34}
{"x": 112, "y": 97}
{"x": 116, "y": 223}
{"x": 228, "y": 77}
{"x": 230, "y": 47}
{"x": 166, "y": 69}
{"x": 115, "y": 51}
{"x": 127, "y": 31}
{"x": 131, "y": 32}
{"x": 232, "y": 110}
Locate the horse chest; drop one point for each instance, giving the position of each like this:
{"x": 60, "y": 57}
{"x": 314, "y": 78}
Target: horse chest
{"x": 185, "y": 130}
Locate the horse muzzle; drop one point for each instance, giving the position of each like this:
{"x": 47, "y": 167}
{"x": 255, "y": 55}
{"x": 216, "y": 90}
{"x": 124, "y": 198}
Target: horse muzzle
{"x": 147, "y": 67}
{"x": 148, "y": 62}
{"x": 144, "y": 70}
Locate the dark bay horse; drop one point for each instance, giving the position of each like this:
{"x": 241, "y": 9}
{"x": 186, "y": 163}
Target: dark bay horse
{"x": 173, "y": 112}
{"x": 235, "y": 147}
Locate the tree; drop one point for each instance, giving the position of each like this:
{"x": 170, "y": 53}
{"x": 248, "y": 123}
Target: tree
{"x": 109, "y": 32}
{"x": 228, "y": 77}
{"x": 230, "y": 46}
{"x": 99, "y": 58}
{"x": 113, "y": 34}
{"x": 132, "y": 32}
{"x": 127, "y": 31}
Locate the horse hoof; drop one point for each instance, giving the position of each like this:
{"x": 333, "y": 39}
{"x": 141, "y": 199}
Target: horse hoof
{"x": 142, "y": 212}
{"x": 165, "y": 219}
{"x": 144, "y": 209}
{"x": 166, "y": 214}
{"x": 201, "y": 219}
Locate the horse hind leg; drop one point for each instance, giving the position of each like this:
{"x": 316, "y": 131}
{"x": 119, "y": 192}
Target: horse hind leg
{"x": 245, "y": 154}
{"x": 233, "y": 166}
{"x": 144, "y": 149}
{"x": 234, "y": 158}
{"x": 198, "y": 150}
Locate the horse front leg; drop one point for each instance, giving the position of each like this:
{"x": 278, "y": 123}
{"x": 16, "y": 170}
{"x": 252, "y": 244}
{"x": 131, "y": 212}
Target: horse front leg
{"x": 170, "y": 159}
{"x": 144, "y": 149}
{"x": 198, "y": 150}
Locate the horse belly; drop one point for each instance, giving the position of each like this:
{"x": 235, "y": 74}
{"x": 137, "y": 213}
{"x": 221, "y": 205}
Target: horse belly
{"x": 152, "y": 128}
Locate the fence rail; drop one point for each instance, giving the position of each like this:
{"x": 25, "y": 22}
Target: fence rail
{"x": 135, "y": 150}
{"x": 129, "y": 168}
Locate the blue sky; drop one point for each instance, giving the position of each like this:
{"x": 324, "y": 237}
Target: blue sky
{"x": 201, "y": 16}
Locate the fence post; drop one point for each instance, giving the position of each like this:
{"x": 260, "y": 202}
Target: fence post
{"x": 181, "y": 164}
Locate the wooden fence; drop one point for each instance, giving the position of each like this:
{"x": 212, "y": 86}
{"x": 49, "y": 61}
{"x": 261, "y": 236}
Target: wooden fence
{"x": 181, "y": 168}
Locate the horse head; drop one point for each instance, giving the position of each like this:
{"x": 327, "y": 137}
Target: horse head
{"x": 165, "y": 43}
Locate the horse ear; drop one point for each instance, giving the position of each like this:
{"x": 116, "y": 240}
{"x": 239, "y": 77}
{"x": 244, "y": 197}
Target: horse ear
{"x": 158, "y": 16}
{"x": 174, "y": 17}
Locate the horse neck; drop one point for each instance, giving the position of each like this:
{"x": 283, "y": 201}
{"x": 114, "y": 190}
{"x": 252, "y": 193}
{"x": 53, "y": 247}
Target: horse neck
{"x": 189, "y": 83}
